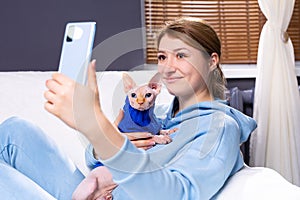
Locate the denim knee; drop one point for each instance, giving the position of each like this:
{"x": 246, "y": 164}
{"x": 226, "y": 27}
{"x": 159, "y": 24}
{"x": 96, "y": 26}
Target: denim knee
{"x": 11, "y": 121}
{"x": 17, "y": 130}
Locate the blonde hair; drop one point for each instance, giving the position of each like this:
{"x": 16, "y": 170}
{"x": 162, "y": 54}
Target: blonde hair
{"x": 200, "y": 35}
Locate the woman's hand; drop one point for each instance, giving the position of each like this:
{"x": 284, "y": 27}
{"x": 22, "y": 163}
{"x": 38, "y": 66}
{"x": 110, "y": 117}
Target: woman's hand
{"x": 79, "y": 107}
{"x": 59, "y": 98}
{"x": 98, "y": 185}
{"x": 73, "y": 103}
{"x": 141, "y": 140}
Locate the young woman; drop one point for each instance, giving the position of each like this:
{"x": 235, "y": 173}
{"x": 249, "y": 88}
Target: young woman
{"x": 203, "y": 153}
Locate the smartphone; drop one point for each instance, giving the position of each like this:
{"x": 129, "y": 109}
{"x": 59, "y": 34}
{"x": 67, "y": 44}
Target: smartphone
{"x": 77, "y": 50}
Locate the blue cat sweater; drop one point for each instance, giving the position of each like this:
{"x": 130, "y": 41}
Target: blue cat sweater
{"x": 139, "y": 121}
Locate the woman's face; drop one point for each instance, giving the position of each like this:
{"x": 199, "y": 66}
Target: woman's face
{"x": 183, "y": 68}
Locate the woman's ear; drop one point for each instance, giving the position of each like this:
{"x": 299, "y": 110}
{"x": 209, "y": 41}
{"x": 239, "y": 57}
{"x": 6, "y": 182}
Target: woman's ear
{"x": 214, "y": 61}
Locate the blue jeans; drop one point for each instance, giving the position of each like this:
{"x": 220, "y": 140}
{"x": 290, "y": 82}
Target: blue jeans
{"x": 31, "y": 165}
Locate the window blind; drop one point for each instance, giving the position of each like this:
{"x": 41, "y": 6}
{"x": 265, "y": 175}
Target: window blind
{"x": 238, "y": 24}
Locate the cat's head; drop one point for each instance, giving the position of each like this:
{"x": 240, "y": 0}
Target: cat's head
{"x": 142, "y": 97}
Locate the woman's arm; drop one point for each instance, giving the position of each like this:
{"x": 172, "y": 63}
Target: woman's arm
{"x": 79, "y": 107}
{"x": 193, "y": 173}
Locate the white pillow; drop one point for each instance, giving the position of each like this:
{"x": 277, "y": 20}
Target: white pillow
{"x": 255, "y": 183}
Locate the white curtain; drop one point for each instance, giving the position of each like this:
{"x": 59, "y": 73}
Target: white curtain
{"x": 276, "y": 141}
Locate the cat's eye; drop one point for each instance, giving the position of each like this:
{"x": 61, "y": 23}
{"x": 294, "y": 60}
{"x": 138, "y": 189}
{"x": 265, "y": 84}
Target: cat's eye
{"x": 147, "y": 95}
{"x": 133, "y": 95}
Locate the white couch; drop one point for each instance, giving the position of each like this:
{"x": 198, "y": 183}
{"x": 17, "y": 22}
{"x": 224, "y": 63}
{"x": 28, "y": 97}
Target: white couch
{"x": 21, "y": 94}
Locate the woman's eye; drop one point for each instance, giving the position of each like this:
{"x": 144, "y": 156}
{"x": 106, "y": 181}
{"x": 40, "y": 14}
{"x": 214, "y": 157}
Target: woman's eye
{"x": 147, "y": 95}
{"x": 133, "y": 95}
{"x": 180, "y": 55}
{"x": 161, "y": 57}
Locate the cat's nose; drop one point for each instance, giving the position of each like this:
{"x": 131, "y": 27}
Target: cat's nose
{"x": 140, "y": 100}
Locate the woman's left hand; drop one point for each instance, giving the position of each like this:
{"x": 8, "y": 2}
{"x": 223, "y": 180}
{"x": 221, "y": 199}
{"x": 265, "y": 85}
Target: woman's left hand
{"x": 98, "y": 185}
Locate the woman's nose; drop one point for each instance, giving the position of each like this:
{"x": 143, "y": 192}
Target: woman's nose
{"x": 171, "y": 63}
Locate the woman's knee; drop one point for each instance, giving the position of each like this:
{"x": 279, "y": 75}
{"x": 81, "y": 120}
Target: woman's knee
{"x": 17, "y": 129}
{"x": 12, "y": 122}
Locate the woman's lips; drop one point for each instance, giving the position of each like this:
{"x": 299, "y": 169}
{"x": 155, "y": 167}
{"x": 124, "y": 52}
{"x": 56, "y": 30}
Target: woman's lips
{"x": 171, "y": 79}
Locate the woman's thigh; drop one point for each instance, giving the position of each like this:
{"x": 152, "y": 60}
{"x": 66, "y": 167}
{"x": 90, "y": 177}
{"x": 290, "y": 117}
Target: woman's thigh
{"x": 15, "y": 185}
{"x": 25, "y": 148}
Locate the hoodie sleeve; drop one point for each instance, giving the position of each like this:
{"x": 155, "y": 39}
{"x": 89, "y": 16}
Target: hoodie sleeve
{"x": 195, "y": 172}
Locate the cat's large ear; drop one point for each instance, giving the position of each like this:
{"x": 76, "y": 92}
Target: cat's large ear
{"x": 128, "y": 82}
{"x": 155, "y": 83}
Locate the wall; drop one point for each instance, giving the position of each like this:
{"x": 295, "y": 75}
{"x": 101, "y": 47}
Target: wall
{"x": 32, "y": 31}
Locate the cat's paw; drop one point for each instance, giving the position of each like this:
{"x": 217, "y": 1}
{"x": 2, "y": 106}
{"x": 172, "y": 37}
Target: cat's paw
{"x": 162, "y": 139}
{"x": 168, "y": 132}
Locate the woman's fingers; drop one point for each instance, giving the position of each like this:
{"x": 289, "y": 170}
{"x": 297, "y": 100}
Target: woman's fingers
{"x": 58, "y": 85}
{"x": 53, "y": 86}
{"x": 50, "y": 97}
{"x": 168, "y": 132}
{"x": 59, "y": 97}
{"x": 144, "y": 144}
{"x": 142, "y": 140}
{"x": 62, "y": 79}
{"x": 162, "y": 139}
{"x": 138, "y": 135}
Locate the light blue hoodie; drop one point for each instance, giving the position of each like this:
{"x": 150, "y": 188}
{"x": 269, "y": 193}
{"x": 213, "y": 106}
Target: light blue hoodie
{"x": 204, "y": 152}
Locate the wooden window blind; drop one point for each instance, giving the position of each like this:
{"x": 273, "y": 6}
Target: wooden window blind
{"x": 238, "y": 24}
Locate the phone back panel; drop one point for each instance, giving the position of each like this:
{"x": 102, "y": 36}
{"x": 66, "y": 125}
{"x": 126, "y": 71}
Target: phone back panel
{"x": 77, "y": 49}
